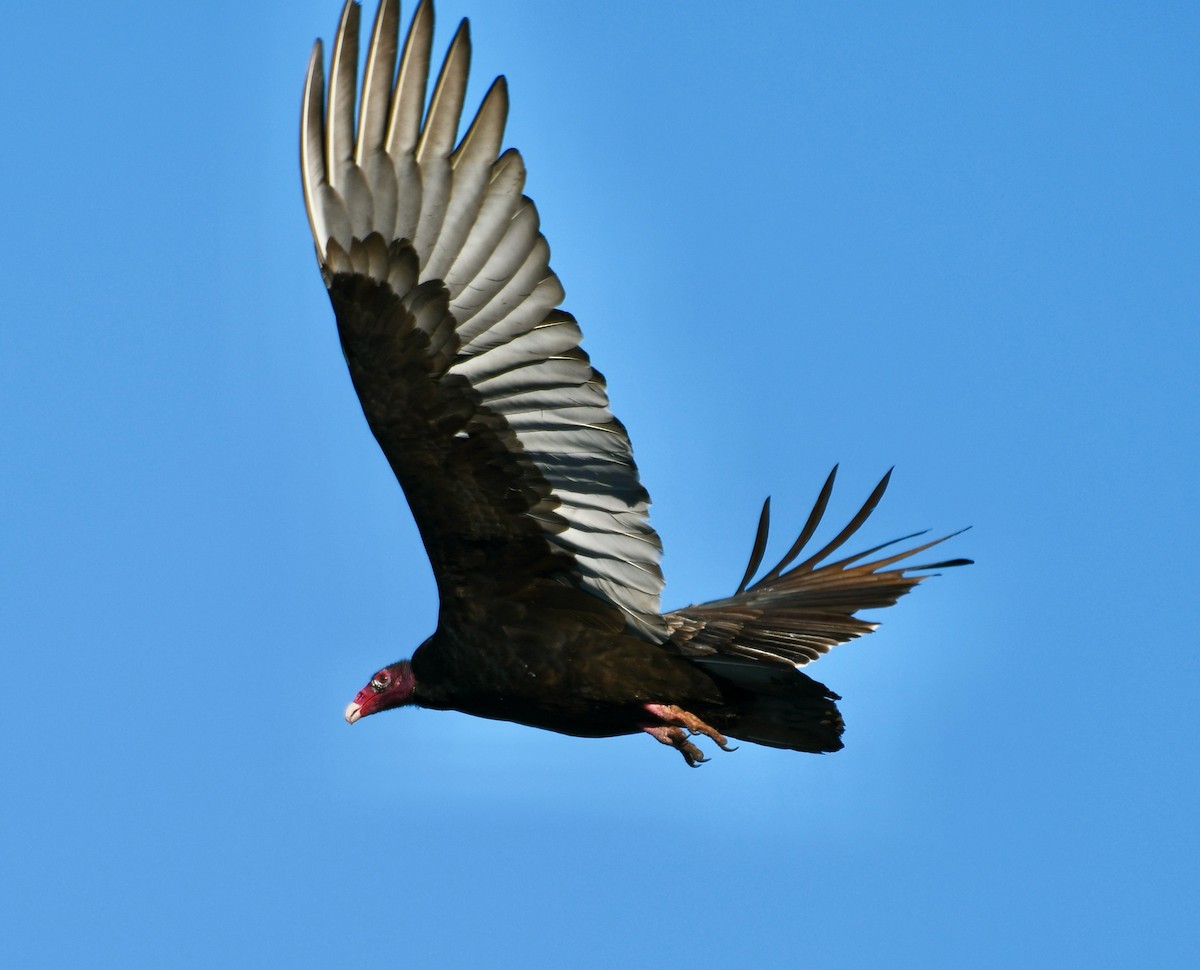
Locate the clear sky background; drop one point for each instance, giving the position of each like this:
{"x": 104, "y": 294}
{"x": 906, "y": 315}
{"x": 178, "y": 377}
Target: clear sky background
{"x": 963, "y": 239}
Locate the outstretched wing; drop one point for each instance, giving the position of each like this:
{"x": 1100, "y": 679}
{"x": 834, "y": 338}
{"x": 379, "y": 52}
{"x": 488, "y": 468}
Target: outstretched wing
{"x": 471, "y": 380}
{"x": 794, "y": 615}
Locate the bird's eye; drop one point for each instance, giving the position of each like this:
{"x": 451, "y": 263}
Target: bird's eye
{"x": 380, "y": 681}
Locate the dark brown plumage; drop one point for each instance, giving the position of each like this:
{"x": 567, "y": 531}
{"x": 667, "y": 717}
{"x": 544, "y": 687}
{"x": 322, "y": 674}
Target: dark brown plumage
{"x": 520, "y": 479}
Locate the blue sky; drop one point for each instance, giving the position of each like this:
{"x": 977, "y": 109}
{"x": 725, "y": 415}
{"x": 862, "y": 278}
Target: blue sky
{"x": 958, "y": 239}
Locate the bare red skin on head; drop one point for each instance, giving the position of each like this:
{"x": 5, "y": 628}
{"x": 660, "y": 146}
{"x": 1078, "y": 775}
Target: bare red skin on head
{"x": 391, "y": 687}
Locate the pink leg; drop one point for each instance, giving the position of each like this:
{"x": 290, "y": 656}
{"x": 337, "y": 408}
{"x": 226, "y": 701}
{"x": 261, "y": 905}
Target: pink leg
{"x": 677, "y": 738}
{"x": 678, "y": 724}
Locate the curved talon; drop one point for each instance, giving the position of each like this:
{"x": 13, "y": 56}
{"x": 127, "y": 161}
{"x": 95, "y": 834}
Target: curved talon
{"x": 677, "y": 738}
{"x": 691, "y": 754}
{"x": 678, "y": 726}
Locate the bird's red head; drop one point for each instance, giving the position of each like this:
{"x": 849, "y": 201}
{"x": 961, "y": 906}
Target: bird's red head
{"x": 391, "y": 687}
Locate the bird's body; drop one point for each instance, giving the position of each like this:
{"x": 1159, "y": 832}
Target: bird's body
{"x": 520, "y": 479}
{"x": 579, "y": 679}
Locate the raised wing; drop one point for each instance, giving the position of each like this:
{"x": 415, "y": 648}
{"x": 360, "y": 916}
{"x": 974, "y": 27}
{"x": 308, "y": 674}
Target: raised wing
{"x": 472, "y": 381}
{"x": 794, "y": 615}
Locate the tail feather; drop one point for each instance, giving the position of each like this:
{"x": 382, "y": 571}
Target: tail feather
{"x": 776, "y": 706}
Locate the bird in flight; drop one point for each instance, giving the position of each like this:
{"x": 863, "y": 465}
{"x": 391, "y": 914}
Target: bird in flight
{"x": 520, "y": 479}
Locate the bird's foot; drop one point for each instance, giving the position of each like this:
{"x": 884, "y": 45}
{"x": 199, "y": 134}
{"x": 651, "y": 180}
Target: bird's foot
{"x": 677, "y": 738}
{"x": 678, "y": 725}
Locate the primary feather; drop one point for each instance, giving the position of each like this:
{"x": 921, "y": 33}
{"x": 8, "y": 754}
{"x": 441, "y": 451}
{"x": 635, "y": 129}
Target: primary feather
{"x": 521, "y": 480}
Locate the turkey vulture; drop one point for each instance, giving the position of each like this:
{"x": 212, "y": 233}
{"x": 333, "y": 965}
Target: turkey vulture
{"x": 521, "y": 481}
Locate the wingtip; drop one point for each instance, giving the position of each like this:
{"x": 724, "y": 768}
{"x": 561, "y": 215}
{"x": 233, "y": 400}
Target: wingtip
{"x": 312, "y": 141}
{"x": 460, "y": 44}
{"x": 350, "y": 9}
{"x": 760, "y": 545}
